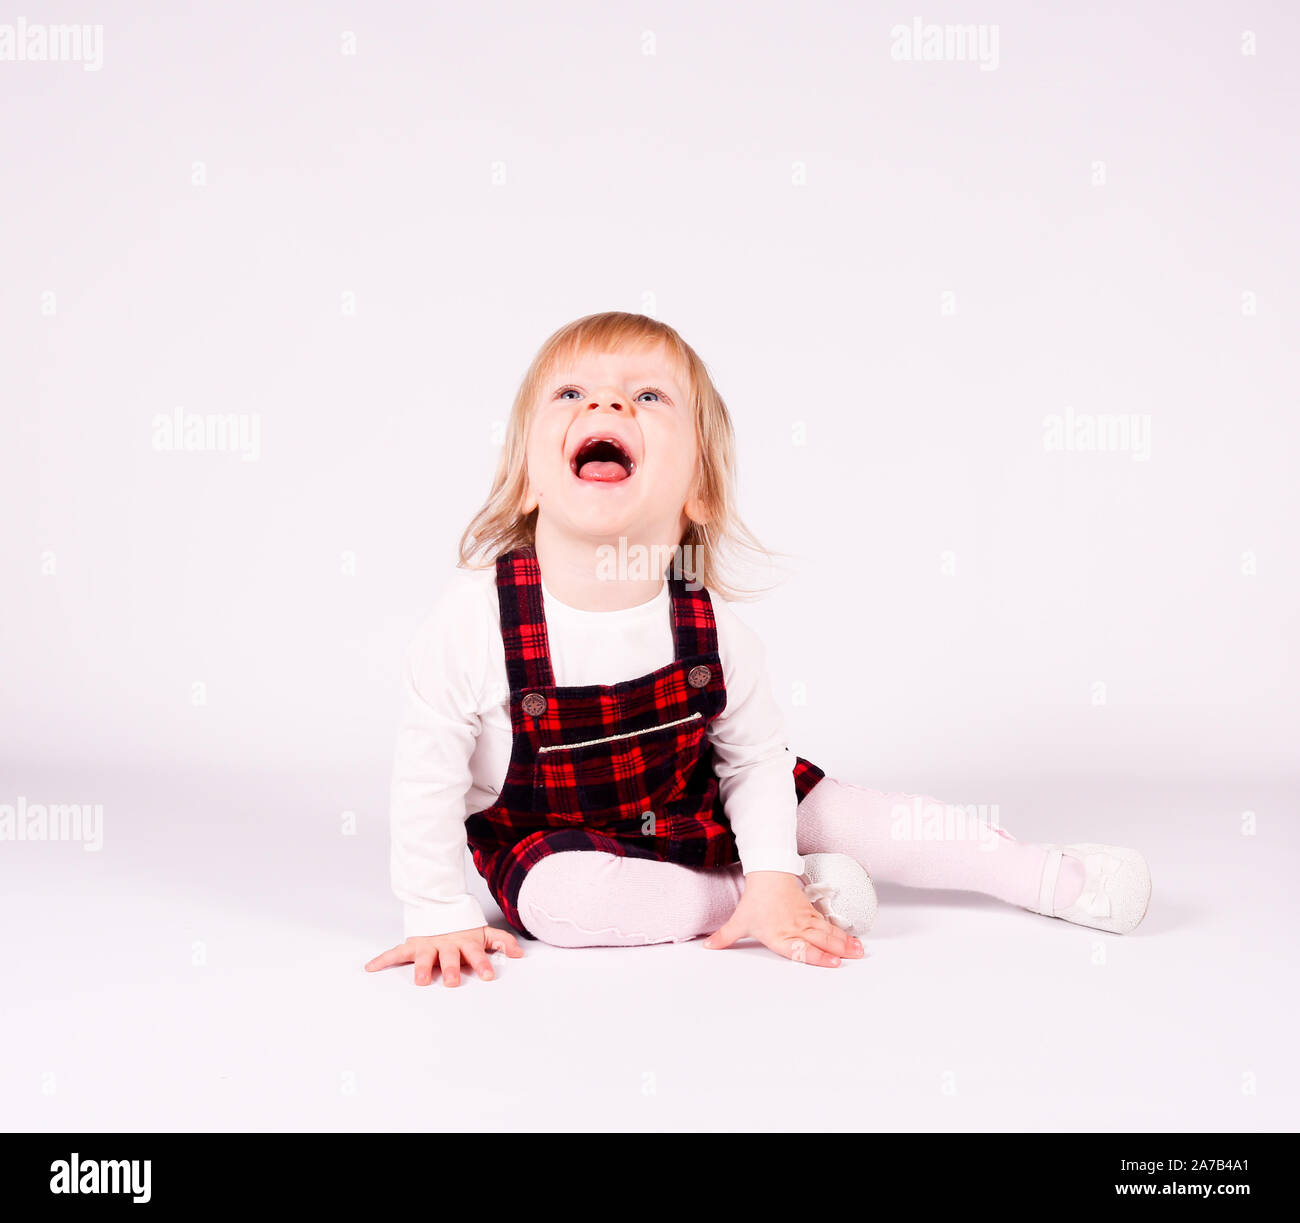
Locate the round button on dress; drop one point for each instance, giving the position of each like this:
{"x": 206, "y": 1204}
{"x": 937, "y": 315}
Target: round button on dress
{"x": 534, "y": 704}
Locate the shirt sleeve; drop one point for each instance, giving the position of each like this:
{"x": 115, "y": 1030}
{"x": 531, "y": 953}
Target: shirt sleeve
{"x": 754, "y": 766}
{"x": 443, "y": 674}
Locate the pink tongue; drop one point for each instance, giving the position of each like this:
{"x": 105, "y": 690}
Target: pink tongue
{"x": 601, "y": 470}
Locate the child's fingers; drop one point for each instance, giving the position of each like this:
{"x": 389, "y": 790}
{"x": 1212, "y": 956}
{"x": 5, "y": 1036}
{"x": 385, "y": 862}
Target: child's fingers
{"x": 449, "y": 962}
{"x": 424, "y": 967}
{"x": 830, "y": 939}
{"x": 835, "y": 940}
{"x": 479, "y": 962}
{"x": 503, "y": 940}
{"x": 394, "y": 955}
{"x": 728, "y": 934}
{"x": 805, "y": 951}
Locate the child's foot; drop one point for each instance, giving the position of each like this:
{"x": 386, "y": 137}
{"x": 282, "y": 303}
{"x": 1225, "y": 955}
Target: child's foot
{"x": 1116, "y": 887}
{"x": 841, "y": 890}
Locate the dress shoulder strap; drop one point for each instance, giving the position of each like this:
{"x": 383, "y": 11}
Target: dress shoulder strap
{"x": 523, "y": 620}
{"x": 695, "y": 631}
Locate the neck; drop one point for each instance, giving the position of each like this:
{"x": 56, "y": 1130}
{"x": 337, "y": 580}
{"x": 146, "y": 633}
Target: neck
{"x": 601, "y": 574}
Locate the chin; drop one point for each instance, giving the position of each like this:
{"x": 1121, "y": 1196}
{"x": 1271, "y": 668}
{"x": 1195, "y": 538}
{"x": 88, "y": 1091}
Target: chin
{"x": 604, "y": 526}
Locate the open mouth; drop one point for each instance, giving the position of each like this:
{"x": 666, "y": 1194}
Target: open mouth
{"x": 603, "y": 460}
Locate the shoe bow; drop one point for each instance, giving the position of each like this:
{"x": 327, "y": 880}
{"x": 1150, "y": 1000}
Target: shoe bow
{"x": 1095, "y": 899}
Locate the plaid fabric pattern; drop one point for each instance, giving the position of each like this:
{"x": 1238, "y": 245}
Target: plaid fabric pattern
{"x": 625, "y": 768}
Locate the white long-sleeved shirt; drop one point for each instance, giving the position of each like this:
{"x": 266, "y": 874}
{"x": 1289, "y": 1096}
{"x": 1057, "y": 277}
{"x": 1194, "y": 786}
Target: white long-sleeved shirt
{"x": 455, "y": 740}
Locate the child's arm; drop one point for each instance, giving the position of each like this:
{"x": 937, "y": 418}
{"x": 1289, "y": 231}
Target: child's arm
{"x": 755, "y": 772}
{"x": 754, "y": 766}
{"x": 443, "y": 678}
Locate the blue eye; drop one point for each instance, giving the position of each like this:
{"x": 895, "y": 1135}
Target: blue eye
{"x": 650, "y": 390}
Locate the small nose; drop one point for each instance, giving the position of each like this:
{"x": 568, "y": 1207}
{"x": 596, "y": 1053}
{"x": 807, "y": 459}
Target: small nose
{"x": 606, "y": 397}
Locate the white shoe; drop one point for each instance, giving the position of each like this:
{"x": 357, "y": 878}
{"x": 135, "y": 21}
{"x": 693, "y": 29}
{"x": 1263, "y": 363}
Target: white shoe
{"x": 1116, "y": 887}
{"x": 841, "y": 890}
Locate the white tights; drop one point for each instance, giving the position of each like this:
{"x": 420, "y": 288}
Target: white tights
{"x": 584, "y": 898}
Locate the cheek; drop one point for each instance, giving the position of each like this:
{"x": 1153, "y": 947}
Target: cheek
{"x": 685, "y": 460}
{"x": 545, "y": 446}
{"x": 675, "y": 448}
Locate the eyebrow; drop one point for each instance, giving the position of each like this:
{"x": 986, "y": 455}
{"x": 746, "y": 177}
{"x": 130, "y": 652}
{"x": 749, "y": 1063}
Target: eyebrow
{"x": 641, "y": 378}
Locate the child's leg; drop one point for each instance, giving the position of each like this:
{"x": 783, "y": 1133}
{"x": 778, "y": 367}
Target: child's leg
{"x": 916, "y": 840}
{"x": 586, "y": 898}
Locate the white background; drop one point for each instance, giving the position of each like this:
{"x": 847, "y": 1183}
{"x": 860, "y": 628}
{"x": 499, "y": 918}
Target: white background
{"x": 797, "y": 203}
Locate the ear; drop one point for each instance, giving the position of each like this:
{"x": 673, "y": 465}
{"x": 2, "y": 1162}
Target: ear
{"x": 697, "y": 511}
{"x": 528, "y": 502}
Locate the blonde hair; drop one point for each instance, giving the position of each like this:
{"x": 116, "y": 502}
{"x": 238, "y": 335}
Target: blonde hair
{"x": 499, "y": 527}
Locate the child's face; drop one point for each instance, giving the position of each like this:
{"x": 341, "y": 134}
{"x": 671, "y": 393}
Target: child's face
{"x": 638, "y": 484}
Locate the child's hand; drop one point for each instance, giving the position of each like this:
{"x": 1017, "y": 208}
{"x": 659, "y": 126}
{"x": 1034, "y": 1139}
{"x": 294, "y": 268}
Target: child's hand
{"x": 774, "y": 910}
{"x": 447, "y": 950}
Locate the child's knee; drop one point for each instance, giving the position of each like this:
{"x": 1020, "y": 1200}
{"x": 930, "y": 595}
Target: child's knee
{"x": 586, "y": 898}
{"x": 557, "y": 898}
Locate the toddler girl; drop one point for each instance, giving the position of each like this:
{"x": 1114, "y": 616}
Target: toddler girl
{"x": 587, "y": 713}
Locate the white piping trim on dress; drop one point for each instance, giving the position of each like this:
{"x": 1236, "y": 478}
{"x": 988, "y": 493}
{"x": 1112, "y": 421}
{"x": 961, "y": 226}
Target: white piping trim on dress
{"x": 561, "y": 747}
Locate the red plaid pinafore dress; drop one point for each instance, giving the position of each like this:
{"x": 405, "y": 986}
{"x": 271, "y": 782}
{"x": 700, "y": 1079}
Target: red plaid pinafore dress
{"x": 626, "y": 768}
